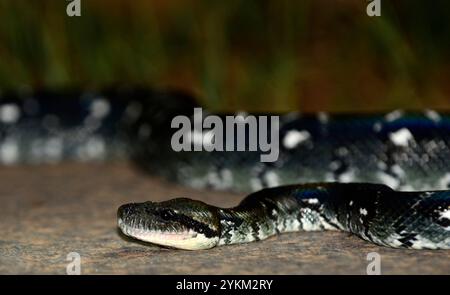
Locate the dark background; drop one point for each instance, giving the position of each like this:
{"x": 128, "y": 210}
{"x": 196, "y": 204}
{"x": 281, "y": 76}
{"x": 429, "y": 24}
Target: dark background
{"x": 260, "y": 55}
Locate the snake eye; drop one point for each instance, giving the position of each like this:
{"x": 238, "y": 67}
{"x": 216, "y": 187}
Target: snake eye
{"x": 166, "y": 214}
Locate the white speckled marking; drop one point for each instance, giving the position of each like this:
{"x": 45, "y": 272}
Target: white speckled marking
{"x": 312, "y": 201}
{"x": 401, "y": 137}
{"x": 444, "y": 181}
{"x": 398, "y": 171}
{"x": 272, "y": 178}
{"x": 388, "y": 180}
{"x": 93, "y": 149}
{"x": 422, "y": 242}
{"x": 9, "y": 152}
{"x": 348, "y": 176}
{"x": 9, "y": 113}
{"x": 100, "y": 108}
{"x": 255, "y": 184}
{"x": 445, "y": 214}
{"x": 433, "y": 115}
{"x": 392, "y": 116}
{"x": 293, "y": 138}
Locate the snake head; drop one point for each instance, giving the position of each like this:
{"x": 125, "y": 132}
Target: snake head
{"x": 179, "y": 223}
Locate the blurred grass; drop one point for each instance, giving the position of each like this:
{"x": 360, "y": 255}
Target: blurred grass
{"x": 261, "y": 55}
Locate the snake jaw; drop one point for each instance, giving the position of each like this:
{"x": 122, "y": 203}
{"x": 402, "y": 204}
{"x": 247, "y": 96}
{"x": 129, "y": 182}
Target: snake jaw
{"x": 185, "y": 240}
{"x": 164, "y": 225}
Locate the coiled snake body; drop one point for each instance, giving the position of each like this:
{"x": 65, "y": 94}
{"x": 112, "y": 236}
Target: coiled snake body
{"x": 348, "y": 167}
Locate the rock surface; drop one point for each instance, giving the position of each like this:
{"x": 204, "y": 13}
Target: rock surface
{"x": 49, "y": 211}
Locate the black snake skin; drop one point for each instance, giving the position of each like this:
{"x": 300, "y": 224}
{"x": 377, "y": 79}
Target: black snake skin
{"x": 348, "y": 165}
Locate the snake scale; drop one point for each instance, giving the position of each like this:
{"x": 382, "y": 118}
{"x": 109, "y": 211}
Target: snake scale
{"x": 382, "y": 177}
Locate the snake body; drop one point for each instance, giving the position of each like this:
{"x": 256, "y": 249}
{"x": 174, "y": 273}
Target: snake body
{"x": 373, "y": 212}
{"x": 347, "y": 165}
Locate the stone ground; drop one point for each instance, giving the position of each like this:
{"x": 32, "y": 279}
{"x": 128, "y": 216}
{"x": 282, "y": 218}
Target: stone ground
{"x": 48, "y": 211}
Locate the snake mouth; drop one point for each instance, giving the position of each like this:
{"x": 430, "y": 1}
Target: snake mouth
{"x": 149, "y": 228}
{"x": 159, "y": 237}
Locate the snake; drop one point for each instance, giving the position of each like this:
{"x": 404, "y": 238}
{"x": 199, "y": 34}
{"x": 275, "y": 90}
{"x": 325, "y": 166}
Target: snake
{"x": 384, "y": 177}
